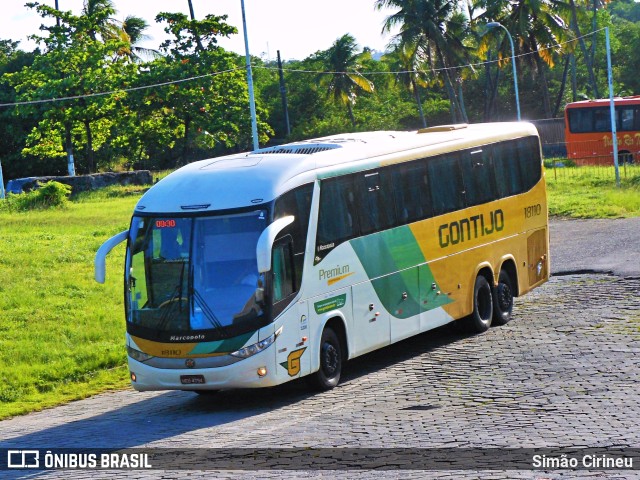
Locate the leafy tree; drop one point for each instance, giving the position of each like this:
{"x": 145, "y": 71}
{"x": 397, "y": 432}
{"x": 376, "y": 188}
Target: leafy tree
{"x": 212, "y": 112}
{"x": 77, "y": 64}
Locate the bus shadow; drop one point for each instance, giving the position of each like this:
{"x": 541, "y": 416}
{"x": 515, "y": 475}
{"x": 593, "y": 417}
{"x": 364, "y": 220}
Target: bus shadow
{"x": 171, "y": 414}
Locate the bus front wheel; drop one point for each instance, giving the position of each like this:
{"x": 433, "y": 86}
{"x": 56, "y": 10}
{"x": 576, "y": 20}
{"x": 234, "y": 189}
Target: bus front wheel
{"x": 502, "y": 299}
{"x": 328, "y": 375}
{"x": 480, "y": 319}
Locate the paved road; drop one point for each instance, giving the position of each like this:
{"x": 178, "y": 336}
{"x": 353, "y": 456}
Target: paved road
{"x": 596, "y": 246}
{"x": 563, "y": 373}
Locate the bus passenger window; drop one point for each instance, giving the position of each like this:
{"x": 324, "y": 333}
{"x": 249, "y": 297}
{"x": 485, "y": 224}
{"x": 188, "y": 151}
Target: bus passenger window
{"x": 530, "y": 162}
{"x": 445, "y": 184}
{"x": 375, "y": 205}
{"x": 602, "y": 120}
{"x": 581, "y": 120}
{"x": 336, "y": 216}
{"x": 477, "y": 174}
{"x": 411, "y": 192}
{"x": 507, "y": 169}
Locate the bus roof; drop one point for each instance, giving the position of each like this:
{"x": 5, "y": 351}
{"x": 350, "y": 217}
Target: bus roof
{"x": 604, "y": 102}
{"x": 254, "y": 178}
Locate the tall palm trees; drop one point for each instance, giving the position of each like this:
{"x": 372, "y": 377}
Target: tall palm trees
{"x": 539, "y": 29}
{"x": 344, "y": 82}
{"x": 437, "y": 28}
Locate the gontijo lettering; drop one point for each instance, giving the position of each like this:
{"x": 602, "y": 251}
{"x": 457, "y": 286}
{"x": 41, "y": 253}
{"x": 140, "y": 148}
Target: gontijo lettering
{"x": 470, "y": 228}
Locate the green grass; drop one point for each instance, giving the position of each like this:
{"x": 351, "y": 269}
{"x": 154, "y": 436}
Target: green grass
{"x": 591, "y": 192}
{"x": 62, "y": 334}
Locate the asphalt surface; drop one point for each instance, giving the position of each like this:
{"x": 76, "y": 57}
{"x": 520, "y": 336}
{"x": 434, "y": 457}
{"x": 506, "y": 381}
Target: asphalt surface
{"x": 563, "y": 373}
{"x": 604, "y": 246}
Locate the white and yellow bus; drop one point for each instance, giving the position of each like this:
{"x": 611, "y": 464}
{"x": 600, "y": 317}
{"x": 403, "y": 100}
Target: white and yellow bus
{"x": 255, "y": 269}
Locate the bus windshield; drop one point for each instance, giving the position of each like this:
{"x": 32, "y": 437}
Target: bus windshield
{"x": 195, "y": 275}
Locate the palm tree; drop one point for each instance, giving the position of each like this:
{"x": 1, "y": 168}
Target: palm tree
{"x": 538, "y": 28}
{"x": 403, "y": 60}
{"x": 345, "y": 82}
{"x": 132, "y": 33}
{"x": 438, "y": 29}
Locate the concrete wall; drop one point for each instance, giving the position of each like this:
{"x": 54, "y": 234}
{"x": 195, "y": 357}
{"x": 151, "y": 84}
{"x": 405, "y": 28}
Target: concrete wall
{"x": 82, "y": 183}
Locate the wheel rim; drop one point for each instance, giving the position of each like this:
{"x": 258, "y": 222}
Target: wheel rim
{"x": 330, "y": 359}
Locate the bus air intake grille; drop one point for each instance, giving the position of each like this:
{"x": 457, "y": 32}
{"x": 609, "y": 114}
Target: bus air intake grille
{"x": 309, "y": 149}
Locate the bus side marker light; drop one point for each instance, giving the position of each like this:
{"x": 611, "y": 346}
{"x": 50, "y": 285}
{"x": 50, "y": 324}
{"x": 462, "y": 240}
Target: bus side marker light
{"x": 133, "y": 377}
{"x": 262, "y": 371}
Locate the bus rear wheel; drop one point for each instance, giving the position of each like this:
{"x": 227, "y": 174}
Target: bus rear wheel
{"x": 480, "y": 319}
{"x": 502, "y": 299}
{"x": 328, "y": 375}
{"x": 624, "y": 156}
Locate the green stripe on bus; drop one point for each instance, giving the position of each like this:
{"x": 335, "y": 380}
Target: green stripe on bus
{"x": 222, "y": 346}
{"x": 389, "y": 259}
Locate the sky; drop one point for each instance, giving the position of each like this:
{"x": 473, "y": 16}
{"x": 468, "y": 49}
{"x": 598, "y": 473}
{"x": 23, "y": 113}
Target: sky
{"x": 297, "y": 28}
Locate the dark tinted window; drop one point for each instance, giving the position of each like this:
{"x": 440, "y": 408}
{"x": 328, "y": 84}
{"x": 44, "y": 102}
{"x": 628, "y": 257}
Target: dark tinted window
{"x": 297, "y": 203}
{"x": 530, "y": 162}
{"x": 478, "y": 176}
{"x": 411, "y": 192}
{"x": 505, "y": 161}
{"x": 581, "y": 120}
{"x": 445, "y": 183}
{"x": 337, "y": 221}
{"x": 601, "y": 120}
{"x": 375, "y": 202}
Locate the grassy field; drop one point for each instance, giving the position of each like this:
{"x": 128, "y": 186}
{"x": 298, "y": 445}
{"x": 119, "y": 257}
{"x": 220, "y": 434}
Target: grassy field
{"x": 591, "y": 192}
{"x": 62, "y": 334}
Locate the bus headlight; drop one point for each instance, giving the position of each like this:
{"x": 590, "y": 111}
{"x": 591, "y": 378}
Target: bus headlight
{"x": 256, "y": 347}
{"x": 137, "y": 354}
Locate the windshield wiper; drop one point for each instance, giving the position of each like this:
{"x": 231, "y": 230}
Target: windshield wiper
{"x": 208, "y": 313}
{"x": 176, "y": 295}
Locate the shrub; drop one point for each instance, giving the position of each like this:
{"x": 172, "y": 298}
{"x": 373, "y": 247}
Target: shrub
{"x": 49, "y": 195}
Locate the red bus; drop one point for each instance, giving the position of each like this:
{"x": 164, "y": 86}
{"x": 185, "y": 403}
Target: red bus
{"x": 588, "y": 131}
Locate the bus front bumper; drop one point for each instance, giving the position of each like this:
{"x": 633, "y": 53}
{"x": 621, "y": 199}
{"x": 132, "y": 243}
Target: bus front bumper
{"x": 247, "y": 373}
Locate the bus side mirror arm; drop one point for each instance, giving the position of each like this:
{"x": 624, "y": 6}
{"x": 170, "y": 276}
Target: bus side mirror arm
{"x": 100, "y": 262}
{"x": 265, "y": 242}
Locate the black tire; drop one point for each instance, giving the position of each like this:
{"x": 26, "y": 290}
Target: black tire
{"x": 328, "y": 375}
{"x": 625, "y": 157}
{"x": 502, "y": 299}
{"x": 480, "y": 319}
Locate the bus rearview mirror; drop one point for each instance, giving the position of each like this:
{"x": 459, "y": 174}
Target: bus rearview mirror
{"x": 100, "y": 262}
{"x": 265, "y": 242}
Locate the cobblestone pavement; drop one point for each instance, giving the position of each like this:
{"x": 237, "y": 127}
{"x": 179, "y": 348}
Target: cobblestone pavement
{"x": 563, "y": 373}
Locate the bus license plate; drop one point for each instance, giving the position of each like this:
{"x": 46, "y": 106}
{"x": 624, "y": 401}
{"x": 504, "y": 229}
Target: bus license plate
{"x": 192, "y": 379}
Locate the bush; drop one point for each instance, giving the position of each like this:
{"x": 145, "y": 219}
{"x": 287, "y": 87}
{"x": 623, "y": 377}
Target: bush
{"x": 49, "y": 195}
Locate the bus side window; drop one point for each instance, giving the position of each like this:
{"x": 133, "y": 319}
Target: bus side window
{"x": 337, "y": 221}
{"x": 445, "y": 182}
{"x": 296, "y": 202}
{"x": 601, "y": 120}
{"x": 581, "y": 120}
{"x": 411, "y": 192}
{"x": 375, "y": 205}
{"x": 478, "y": 177}
{"x": 625, "y": 118}
{"x": 530, "y": 162}
{"x": 282, "y": 270}
{"x": 507, "y": 169}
